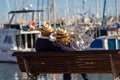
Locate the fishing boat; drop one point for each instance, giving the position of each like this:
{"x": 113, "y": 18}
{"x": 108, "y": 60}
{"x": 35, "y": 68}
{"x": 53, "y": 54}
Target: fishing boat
{"x": 18, "y": 36}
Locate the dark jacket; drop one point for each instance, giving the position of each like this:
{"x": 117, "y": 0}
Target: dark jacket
{"x": 44, "y": 44}
{"x": 57, "y": 47}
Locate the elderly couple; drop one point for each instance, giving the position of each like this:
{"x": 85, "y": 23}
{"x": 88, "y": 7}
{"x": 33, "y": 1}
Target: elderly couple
{"x": 61, "y": 43}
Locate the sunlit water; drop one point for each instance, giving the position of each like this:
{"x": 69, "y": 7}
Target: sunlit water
{"x": 10, "y": 71}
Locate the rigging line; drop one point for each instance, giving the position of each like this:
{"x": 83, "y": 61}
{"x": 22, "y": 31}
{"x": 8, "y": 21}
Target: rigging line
{"x": 48, "y": 10}
{"x": 8, "y": 9}
{"x": 100, "y": 8}
{"x": 67, "y": 10}
{"x": 77, "y": 5}
{"x": 67, "y": 16}
{"x": 53, "y": 6}
{"x": 90, "y": 8}
{"x": 96, "y": 9}
{"x": 42, "y": 14}
{"x": 38, "y": 7}
{"x": 57, "y": 15}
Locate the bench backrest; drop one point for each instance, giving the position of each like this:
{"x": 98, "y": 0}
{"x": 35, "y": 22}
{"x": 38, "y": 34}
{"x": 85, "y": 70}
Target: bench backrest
{"x": 99, "y": 61}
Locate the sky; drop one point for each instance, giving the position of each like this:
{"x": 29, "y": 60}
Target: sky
{"x": 75, "y": 6}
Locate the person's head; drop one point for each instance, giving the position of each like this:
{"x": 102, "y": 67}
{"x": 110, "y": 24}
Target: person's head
{"x": 63, "y": 37}
{"x": 46, "y": 30}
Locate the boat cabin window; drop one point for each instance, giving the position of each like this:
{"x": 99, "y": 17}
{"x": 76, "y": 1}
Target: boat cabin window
{"x": 97, "y": 43}
{"x": 25, "y": 28}
{"x": 111, "y": 44}
{"x": 15, "y": 26}
{"x": 118, "y": 44}
{"x": 8, "y": 39}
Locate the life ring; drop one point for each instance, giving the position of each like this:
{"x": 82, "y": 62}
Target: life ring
{"x": 33, "y": 25}
{"x": 117, "y": 30}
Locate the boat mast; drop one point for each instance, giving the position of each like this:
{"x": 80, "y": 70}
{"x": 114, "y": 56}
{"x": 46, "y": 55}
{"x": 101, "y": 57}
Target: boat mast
{"x": 103, "y": 19}
{"x": 54, "y": 21}
{"x": 96, "y": 7}
{"x": 42, "y": 13}
{"x": 83, "y": 8}
{"x": 67, "y": 11}
{"x": 48, "y": 10}
{"x": 96, "y": 10}
{"x": 38, "y": 6}
{"x": 7, "y": 9}
{"x": 117, "y": 19}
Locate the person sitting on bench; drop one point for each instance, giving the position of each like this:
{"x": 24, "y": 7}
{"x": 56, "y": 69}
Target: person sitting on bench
{"x": 43, "y": 43}
{"x": 63, "y": 43}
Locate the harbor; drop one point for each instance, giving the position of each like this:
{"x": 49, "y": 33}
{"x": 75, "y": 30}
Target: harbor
{"x": 47, "y": 39}
{"x": 12, "y": 72}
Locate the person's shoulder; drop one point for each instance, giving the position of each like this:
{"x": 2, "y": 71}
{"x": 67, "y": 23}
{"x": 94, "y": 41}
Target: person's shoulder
{"x": 56, "y": 47}
{"x": 42, "y": 38}
{"x": 65, "y": 48}
{"x": 44, "y": 41}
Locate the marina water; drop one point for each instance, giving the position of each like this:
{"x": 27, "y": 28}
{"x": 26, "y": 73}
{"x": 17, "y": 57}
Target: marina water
{"x": 10, "y": 71}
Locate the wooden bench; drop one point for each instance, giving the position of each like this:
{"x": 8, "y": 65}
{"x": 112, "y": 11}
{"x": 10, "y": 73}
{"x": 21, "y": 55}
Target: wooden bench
{"x": 89, "y": 61}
